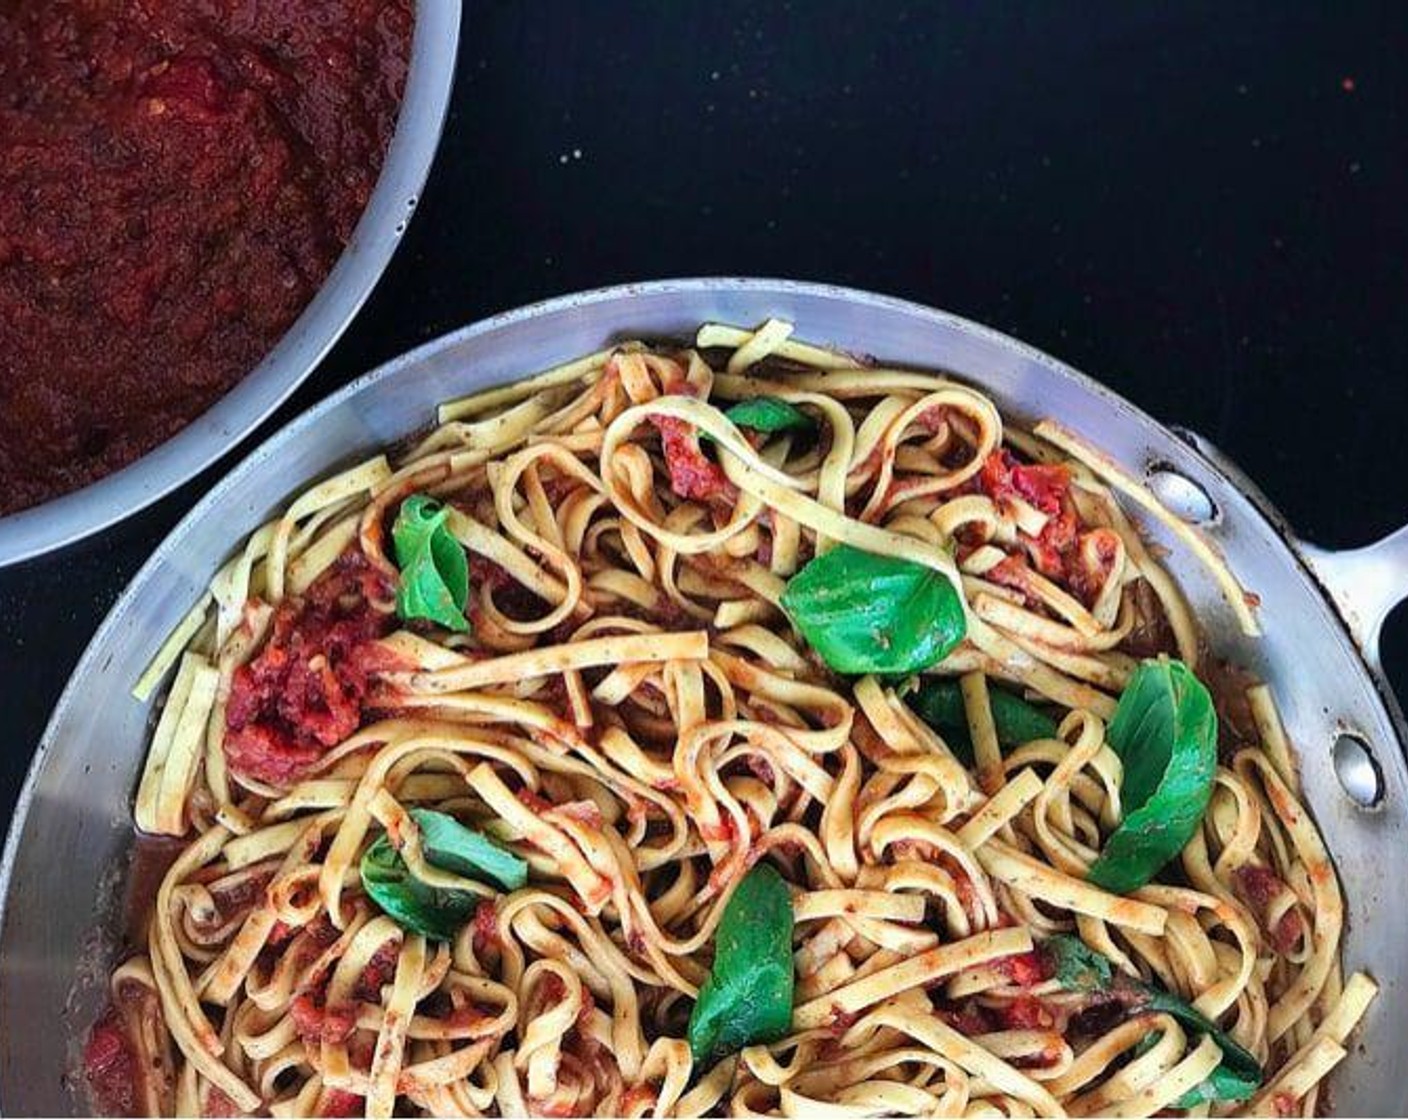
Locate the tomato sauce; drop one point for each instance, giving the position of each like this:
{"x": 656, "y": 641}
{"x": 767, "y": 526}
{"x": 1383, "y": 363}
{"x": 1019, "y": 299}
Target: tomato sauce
{"x": 1003, "y": 478}
{"x": 511, "y": 597}
{"x": 218, "y": 1104}
{"x": 969, "y": 1018}
{"x": 119, "y": 1083}
{"x": 317, "y": 1023}
{"x": 380, "y": 971}
{"x": 110, "y": 1067}
{"x": 1044, "y": 487}
{"x": 693, "y": 475}
{"x": 486, "y": 928}
{"x": 339, "y": 1102}
{"x": 1093, "y": 562}
{"x": 306, "y": 690}
{"x": 1025, "y": 1013}
{"x": 177, "y": 178}
{"x": 1025, "y": 969}
{"x": 533, "y": 800}
{"x": 1259, "y": 887}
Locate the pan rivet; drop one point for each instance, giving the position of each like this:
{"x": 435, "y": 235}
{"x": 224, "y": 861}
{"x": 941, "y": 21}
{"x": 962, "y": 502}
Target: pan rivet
{"x": 1180, "y": 495}
{"x": 1358, "y": 771}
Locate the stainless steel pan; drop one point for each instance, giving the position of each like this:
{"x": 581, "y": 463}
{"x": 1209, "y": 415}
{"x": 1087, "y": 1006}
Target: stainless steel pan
{"x": 70, "y": 517}
{"x": 1321, "y": 612}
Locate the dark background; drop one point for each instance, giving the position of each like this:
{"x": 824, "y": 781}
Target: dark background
{"x": 1202, "y": 207}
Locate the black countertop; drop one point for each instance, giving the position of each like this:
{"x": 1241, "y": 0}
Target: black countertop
{"x": 1204, "y": 208}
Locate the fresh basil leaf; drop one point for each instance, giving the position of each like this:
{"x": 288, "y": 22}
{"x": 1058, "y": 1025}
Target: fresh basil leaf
{"x": 1165, "y": 733}
{"x": 437, "y": 912}
{"x": 1236, "y": 1078}
{"x": 1076, "y": 966}
{"x": 939, "y": 703}
{"x": 434, "y": 570}
{"x": 450, "y": 846}
{"x": 747, "y": 997}
{"x": 770, "y": 414}
{"x": 1221, "y": 1084}
{"x": 1224, "y": 1083}
{"x": 1079, "y": 968}
{"x": 867, "y": 613}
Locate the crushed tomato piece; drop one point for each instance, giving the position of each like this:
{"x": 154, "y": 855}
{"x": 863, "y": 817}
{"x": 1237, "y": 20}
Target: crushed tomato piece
{"x": 1049, "y": 549}
{"x": 306, "y": 689}
{"x": 1025, "y": 969}
{"x": 1011, "y": 572}
{"x": 1045, "y": 487}
{"x": 693, "y": 475}
{"x": 1042, "y": 485}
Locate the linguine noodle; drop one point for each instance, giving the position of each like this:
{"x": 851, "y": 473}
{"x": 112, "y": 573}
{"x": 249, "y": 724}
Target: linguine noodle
{"x": 631, "y": 713}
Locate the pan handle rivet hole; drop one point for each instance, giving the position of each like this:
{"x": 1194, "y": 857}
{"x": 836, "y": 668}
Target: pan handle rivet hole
{"x": 1358, "y": 771}
{"x": 1180, "y": 495}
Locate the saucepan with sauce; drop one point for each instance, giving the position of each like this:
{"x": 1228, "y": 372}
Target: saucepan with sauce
{"x": 188, "y": 221}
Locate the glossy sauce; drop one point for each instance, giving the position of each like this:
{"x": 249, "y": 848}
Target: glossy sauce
{"x": 110, "y": 1067}
{"x": 177, "y": 178}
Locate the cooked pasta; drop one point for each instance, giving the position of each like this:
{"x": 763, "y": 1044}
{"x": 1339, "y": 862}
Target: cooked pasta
{"x": 729, "y": 730}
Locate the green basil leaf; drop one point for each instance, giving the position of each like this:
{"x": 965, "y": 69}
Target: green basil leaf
{"x": 1079, "y": 968}
{"x": 866, "y": 613}
{"x": 1165, "y": 732}
{"x": 747, "y": 997}
{"x": 1076, "y": 966}
{"x": 1236, "y": 1078}
{"x": 1145, "y": 1044}
{"x": 437, "y": 912}
{"x": 434, "y": 569}
{"x": 939, "y": 703}
{"x": 770, "y": 414}
{"x": 1224, "y": 1083}
{"x": 450, "y": 846}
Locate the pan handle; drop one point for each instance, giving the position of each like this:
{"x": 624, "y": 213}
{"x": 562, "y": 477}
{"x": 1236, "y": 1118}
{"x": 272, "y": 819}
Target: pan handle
{"x": 1365, "y": 584}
